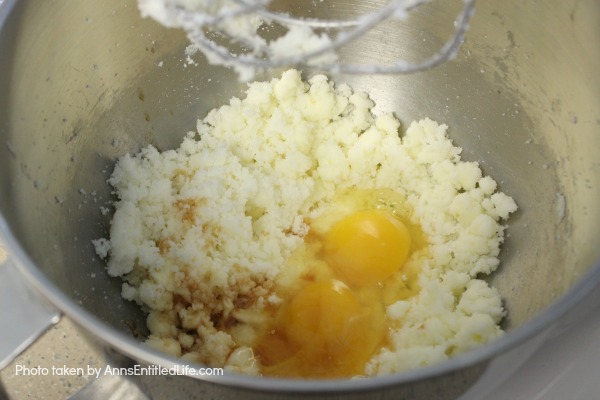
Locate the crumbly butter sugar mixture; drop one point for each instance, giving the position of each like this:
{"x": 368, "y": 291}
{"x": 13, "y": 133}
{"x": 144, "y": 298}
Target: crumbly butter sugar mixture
{"x": 298, "y": 234}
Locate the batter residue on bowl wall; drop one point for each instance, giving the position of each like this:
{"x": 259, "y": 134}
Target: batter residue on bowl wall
{"x": 293, "y": 219}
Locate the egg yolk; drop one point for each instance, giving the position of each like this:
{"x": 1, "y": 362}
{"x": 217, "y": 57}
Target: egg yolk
{"x": 366, "y": 247}
{"x": 320, "y": 332}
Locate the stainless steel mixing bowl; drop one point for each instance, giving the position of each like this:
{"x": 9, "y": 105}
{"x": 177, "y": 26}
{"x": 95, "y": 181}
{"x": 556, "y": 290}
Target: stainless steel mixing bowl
{"x": 84, "y": 82}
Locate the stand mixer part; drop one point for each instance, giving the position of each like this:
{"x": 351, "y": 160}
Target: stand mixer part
{"x": 249, "y": 37}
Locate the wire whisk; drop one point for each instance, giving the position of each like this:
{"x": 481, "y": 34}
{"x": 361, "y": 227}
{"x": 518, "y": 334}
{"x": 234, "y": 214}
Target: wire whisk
{"x": 234, "y": 33}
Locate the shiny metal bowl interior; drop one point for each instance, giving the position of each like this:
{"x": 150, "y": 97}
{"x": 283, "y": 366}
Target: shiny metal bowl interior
{"x": 86, "y": 82}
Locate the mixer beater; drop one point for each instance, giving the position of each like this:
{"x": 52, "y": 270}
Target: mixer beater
{"x": 240, "y": 34}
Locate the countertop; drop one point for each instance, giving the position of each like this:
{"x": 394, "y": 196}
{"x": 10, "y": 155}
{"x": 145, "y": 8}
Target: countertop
{"x": 64, "y": 354}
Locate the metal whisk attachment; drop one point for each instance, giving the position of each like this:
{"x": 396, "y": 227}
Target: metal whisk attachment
{"x": 239, "y": 34}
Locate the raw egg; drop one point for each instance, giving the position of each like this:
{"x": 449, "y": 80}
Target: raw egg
{"x": 321, "y": 333}
{"x": 352, "y": 265}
